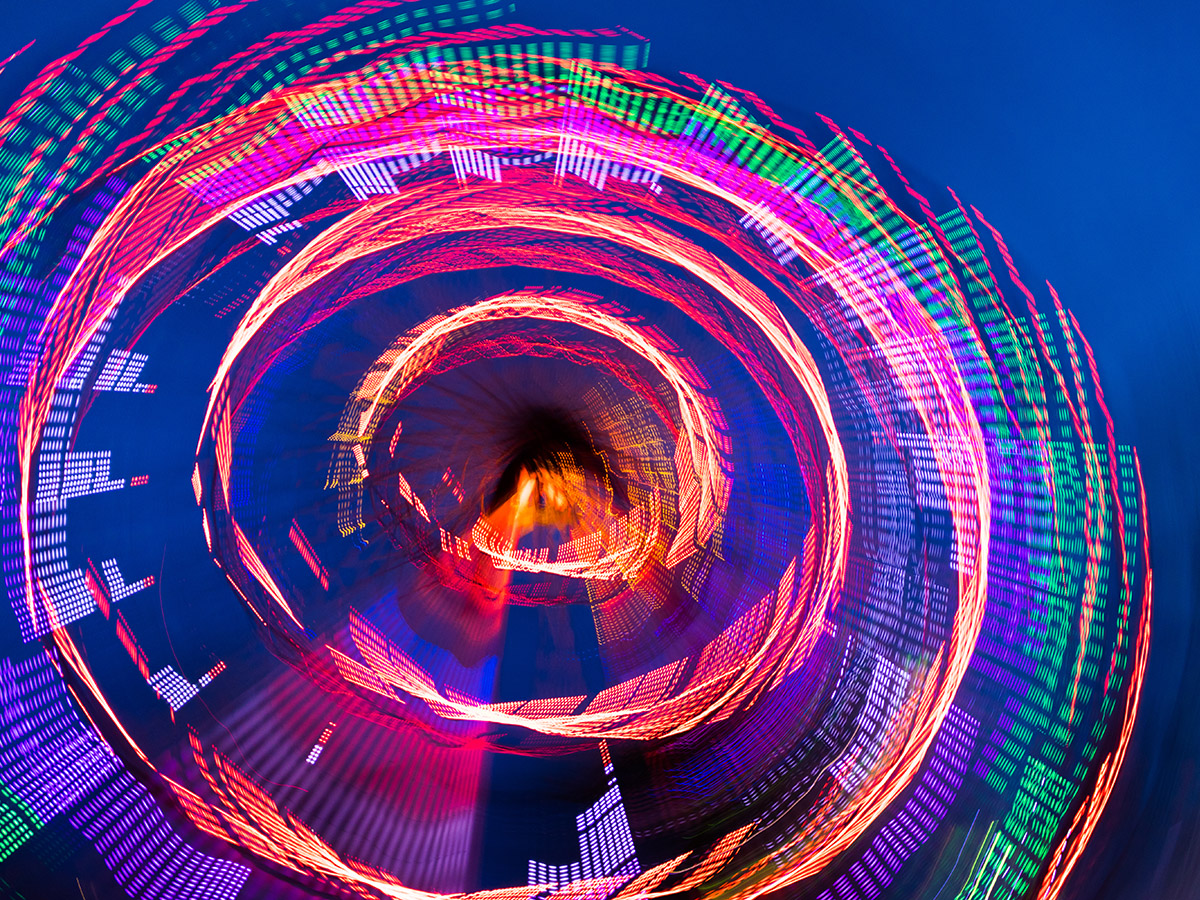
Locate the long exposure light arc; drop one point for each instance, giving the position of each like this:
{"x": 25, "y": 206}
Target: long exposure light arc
{"x": 835, "y": 300}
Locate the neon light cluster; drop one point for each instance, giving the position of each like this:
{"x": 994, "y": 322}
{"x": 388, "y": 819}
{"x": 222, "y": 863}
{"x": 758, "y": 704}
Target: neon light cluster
{"x": 830, "y": 565}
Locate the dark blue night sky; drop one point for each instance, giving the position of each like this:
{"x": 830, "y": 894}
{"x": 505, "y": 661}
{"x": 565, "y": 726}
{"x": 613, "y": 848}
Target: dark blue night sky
{"x": 1073, "y": 127}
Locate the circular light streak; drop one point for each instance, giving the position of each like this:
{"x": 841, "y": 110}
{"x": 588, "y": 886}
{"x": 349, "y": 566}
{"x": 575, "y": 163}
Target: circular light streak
{"x": 874, "y": 331}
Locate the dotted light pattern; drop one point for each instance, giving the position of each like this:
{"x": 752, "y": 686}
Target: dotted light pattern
{"x": 967, "y": 597}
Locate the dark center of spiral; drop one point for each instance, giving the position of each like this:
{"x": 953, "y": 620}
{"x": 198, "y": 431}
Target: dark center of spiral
{"x": 557, "y": 476}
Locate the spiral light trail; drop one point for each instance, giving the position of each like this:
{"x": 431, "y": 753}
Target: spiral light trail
{"x": 556, "y": 480}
